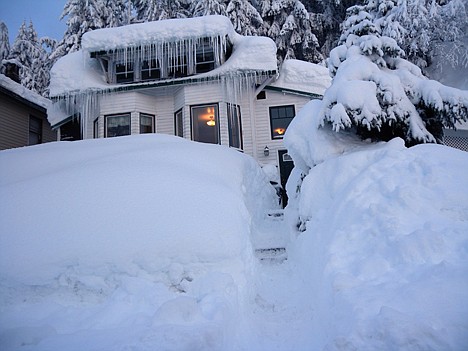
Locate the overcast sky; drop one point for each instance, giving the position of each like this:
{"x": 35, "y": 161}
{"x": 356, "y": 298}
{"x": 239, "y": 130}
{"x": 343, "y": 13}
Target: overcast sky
{"x": 45, "y": 15}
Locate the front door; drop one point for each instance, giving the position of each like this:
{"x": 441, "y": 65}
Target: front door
{"x": 286, "y": 165}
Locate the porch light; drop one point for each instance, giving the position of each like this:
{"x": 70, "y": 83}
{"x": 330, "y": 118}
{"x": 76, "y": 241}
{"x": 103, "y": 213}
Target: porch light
{"x": 211, "y": 122}
{"x": 266, "y": 151}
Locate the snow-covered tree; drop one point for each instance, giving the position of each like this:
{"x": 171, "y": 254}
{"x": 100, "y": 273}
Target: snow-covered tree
{"x": 208, "y": 7}
{"x": 287, "y": 22}
{"x": 4, "y": 45}
{"x": 378, "y": 93}
{"x": 423, "y": 28}
{"x": 28, "y": 53}
{"x": 82, "y": 16}
{"x": 244, "y": 17}
{"x": 115, "y": 13}
{"x": 154, "y": 10}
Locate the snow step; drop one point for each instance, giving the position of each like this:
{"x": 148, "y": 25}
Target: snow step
{"x": 275, "y": 215}
{"x": 277, "y": 254}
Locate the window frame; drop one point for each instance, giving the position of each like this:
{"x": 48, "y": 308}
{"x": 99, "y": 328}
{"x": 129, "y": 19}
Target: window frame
{"x": 179, "y": 125}
{"x": 106, "y": 124}
{"x": 36, "y": 132}
{"x": 153, "y": 120}
{"x": 96, "y": 128}
{"x": 273, "y": 108}
{"x": 238, "y": 124}
{"x": 216, "y": 119}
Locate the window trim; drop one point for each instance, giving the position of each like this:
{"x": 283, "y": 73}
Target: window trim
{"x": 279, "y": 137}
{"x": 117, "y": 115}
{"x": 231, "y": 107}
{"x": 153, "y": 120}
{"x": 39, "y": 132}
{"x": 96, "y": 128}
{"x": 176, "y": 123}
{"x": 218, "y": 132}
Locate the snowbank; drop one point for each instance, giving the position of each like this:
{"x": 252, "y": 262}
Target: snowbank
{"x": 382, "y": 250}
{"x": 143, "y": 240}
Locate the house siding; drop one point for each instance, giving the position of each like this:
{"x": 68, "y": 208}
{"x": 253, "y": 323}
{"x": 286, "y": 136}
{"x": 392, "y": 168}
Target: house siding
{"x": 14, "y": 123}
{"x": 262, "y": 123}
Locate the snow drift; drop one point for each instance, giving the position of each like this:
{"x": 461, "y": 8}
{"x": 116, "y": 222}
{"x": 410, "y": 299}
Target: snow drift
{"x": 383, "y": 241}
{"x": 153, "y": 224}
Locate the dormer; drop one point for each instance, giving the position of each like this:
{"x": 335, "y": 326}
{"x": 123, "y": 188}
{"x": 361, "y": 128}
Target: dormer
{"x": 161, "y": 50}
{"x": 162, "y": 61}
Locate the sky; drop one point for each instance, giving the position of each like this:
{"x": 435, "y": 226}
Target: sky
{"x": 45, "y": 15}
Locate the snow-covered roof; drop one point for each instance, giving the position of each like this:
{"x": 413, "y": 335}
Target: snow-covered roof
{"x": 78, "y": 72}
{"x": 23, "y": 92}
{"x": 170, "y": 30}
{"x": 302, "y": 76}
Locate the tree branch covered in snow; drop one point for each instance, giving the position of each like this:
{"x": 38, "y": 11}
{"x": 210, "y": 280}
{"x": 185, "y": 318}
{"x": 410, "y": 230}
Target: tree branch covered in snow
{"x": 379, "y": 93}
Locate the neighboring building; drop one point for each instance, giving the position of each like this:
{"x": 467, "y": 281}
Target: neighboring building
{"x": 23, "y": 116}
{"x": 194, "y": 78}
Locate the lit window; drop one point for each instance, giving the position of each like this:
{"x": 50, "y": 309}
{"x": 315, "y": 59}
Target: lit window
{"x": 117, "y": 125}
{"x": 205, "y": 124}
{"x": 35, "y": 130}
{"x": 179, "y": 124}
{"x": 280, "y": 117}
{"x": 234, "y": 126}
{"x": 146, "y": 123}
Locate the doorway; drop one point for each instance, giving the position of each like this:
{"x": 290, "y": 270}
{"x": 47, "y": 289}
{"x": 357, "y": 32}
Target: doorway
{"x": 286, "y": 165}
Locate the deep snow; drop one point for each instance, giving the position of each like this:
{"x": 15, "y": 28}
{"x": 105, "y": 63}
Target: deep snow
{"x": 147, "y": 242}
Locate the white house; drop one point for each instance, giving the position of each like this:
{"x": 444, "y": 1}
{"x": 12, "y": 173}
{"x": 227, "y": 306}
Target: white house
{"x": 195, "y": 78}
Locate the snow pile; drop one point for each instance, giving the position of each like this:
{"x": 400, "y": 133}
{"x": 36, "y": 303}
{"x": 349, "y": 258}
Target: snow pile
{"x": 382, "y": 247}
{"x": 303, "y": 76}
{"x": 136, "y": 242}
{"x": 23, "y": 92}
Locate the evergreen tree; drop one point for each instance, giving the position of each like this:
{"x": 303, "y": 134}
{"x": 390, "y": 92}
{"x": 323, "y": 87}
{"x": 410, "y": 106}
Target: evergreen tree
{"x": 82, "y": 16}
{"x": 4, "y": 45}
{"x": 28, "y": 53}
{"x": 154, "y": 10}
{"x": 244, "y": 17}
{"x": 379, "y": 94}
{"x": 200, "y": 8}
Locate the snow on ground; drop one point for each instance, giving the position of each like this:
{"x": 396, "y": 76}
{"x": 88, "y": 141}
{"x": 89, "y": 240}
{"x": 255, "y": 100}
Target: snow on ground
{"x": 383, "y": 252}
{"x": 129, "y": 243}
{"x": 146, "y": 242}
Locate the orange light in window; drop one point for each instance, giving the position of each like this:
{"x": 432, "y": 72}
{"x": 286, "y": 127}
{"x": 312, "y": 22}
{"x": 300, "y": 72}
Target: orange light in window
{"x": 279, "y": 131}
{"x": 211, "y": 122}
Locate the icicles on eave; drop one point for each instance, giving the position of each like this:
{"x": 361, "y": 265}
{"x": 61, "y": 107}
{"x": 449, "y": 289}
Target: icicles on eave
{"x": 173, "y": 53}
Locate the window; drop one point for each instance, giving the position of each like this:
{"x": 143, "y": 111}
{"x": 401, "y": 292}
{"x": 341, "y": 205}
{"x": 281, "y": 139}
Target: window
{"x": 117, "y": 125}
{"x": 261, "y": 95}
{"x": 146, "y": 123}
{"x": 35, "y": 130}
{"x": 150, "y": 70}
{"x": 178, "y": 67}
{"x": 179, "y": 124}
{"x": 280, "y": 117}
{"x": 205, "y": 59}
{"x": 124, "y": 72}
{"x": 234, "y": 126}
{"x": 96, "y": 128}
{"x": 205, "y": 123}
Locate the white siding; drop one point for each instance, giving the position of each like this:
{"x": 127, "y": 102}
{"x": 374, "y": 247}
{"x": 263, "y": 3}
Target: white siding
{"x": 262, "y": 123}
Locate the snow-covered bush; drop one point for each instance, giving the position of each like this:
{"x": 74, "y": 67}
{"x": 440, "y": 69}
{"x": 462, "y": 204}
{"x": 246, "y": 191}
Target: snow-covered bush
{"x": 381, "y": 95}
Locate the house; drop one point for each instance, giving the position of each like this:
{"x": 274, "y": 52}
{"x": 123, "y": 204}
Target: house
{"x": 23, "y": 116}
{"x": 195, "y": 78}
